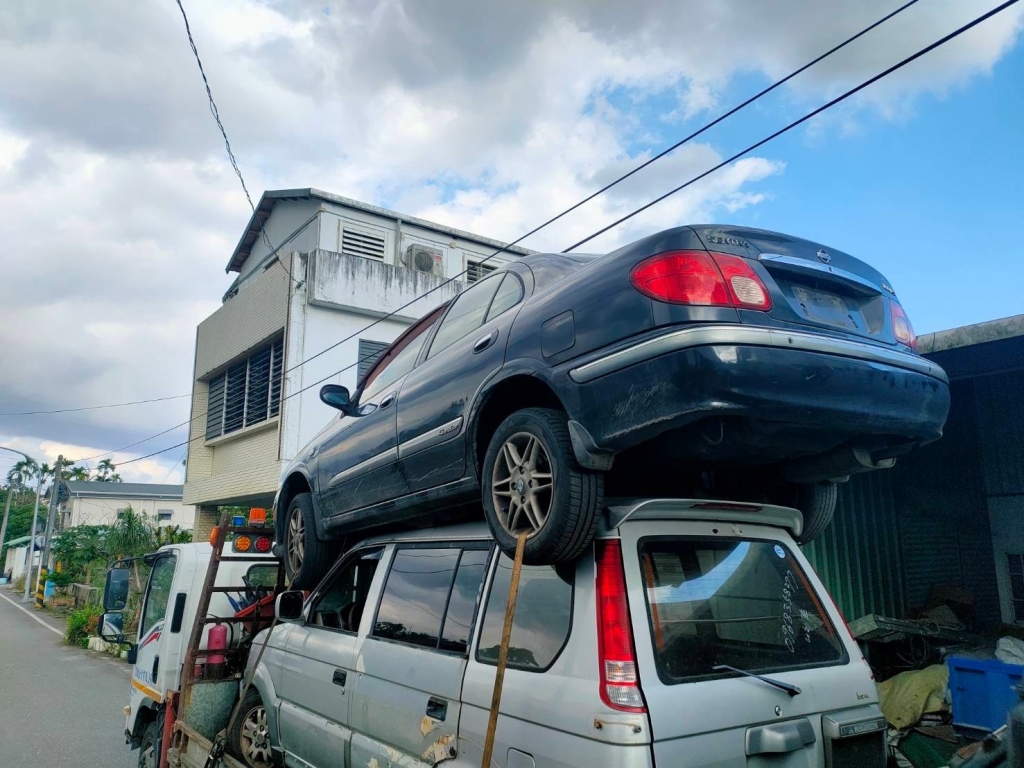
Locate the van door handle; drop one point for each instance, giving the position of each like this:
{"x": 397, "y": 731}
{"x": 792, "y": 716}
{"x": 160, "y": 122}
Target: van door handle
{"x": 437, "y": 708}
{"x": 485, "y": 341}
{"x": 340, "y": 677}
{"x": 388, "y": 400}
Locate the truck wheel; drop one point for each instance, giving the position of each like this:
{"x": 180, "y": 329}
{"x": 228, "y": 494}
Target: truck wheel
{"x": 148, "y": 755}
{"x": 306, "y": 558}
{"x": 249, "y": 739}
{"x": 531, "y": 482}
{"x": 817, "y": 503}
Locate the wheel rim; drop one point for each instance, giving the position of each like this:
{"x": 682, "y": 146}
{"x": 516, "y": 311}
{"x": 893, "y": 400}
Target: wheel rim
{"x": 521, "y": 484}
{"x": 255, "y": 738}
{"x": 296, "y": 539}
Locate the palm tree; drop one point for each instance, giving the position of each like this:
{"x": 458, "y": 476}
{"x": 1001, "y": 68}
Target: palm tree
{"x": 24, "y": 470}
{"x": 115, "y": 478}
{"x": 104, "y": 470}
{"x": 78, "y": 473}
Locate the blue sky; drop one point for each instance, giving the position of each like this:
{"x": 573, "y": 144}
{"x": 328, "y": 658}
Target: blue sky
{"x": 933, "y": 198}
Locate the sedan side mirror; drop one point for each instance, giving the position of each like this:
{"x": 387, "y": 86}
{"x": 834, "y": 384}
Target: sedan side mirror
{"x": 336, "y": 396}
{"x": 289, "y": 605}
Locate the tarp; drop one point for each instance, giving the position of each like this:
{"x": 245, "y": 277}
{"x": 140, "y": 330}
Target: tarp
{"x": 908, "y": 695}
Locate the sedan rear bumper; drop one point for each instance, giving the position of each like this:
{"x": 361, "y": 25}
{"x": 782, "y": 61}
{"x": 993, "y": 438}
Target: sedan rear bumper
{"x": 791, "y": 383}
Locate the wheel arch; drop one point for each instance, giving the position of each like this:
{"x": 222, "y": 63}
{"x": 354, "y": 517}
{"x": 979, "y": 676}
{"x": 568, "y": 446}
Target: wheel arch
{"x": 297, "y": 482}
{"x": 264, "y": 686}
{"x": 503, "y": 398}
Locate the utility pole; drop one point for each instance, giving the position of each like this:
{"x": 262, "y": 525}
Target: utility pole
{"x": 30, "y": 550}
{"x": 7, "y": 513}
{"x": 44, "y": 561}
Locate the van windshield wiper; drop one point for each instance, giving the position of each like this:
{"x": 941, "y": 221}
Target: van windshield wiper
{"x": 792, "y": 690}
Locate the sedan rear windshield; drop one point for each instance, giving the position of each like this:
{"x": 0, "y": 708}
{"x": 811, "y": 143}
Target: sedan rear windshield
{"x": 742, "y": 603}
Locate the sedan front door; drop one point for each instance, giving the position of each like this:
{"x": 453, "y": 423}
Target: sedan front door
{"x": 433, "y": 408}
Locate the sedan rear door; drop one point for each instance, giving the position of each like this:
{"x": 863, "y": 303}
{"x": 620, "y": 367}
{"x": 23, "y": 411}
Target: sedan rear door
{"x": 433, "y": 405}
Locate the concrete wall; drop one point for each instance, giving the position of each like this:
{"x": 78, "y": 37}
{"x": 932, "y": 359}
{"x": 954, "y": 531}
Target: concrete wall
{"x": 15, "y": 561}
{"x": 287, "y": 217}
{"x": 103, "y": 511}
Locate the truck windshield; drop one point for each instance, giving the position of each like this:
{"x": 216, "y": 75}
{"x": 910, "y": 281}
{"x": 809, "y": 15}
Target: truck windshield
{"x": 158, "y": 593}
{"x": 741, "y": 603}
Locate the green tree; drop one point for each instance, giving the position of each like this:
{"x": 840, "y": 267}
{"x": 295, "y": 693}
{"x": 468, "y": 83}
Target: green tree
{"x": 130, "y": 536}
{"x": 78, "y": 473}
{"x": 104, "y": 470}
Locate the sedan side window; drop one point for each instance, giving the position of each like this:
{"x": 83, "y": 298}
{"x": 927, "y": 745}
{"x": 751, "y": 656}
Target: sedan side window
{"x": 509, "y": 294}
{"x": 340, "y": 606}
{"x": 466, "y": 315}
{"x": 402, "y": 363}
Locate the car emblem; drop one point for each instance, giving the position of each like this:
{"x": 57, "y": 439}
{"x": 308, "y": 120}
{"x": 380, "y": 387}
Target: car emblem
{"x": 823, "y": 256}
{"x": 888, "y": 287}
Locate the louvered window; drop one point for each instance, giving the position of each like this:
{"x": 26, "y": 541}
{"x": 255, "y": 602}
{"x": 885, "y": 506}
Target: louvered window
{"x": 476, "y": 270}
{"x": 247, "y": 393}
{"x": 369, "y": 351}
{"x": 356, "y": 242}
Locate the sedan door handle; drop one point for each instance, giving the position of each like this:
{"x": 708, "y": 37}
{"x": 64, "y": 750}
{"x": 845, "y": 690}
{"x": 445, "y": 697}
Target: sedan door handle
{"x": 437, "y": 708}
{"x": 340, "y": 677}
{"x": 388, "y": 400}
{"x": 485, "y": 341}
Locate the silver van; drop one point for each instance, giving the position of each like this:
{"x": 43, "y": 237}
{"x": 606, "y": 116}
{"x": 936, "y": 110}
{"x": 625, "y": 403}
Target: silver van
{"x": 692, "y": 633}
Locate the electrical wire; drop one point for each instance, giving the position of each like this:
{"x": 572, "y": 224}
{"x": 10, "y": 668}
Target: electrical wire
{"x": 96, "y": 407}
{"x": 913, "y": 57}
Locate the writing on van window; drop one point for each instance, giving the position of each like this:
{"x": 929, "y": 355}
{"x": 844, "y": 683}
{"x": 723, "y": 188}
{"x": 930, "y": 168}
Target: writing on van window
{"x": 788, "y": 631}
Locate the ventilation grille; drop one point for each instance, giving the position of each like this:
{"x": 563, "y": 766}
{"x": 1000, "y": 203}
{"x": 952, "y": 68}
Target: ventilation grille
{"x": 366, "y": 244}
{"x": 476, "y": 270}
{"x": 369, "y": 352}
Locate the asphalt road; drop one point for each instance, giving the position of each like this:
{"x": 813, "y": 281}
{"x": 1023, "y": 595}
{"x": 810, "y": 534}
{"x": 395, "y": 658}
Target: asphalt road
{"x": 59, "y": 706}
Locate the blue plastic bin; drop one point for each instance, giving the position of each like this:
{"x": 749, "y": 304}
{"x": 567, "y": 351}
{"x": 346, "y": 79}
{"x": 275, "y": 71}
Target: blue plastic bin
{"x": 983, "y": 692}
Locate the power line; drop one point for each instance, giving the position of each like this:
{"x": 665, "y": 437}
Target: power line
{"x": 795, "y": 123}
{"x": 95, "y": 407}
{"x": 552, "y": 220}
{"x": 913, "y": 57}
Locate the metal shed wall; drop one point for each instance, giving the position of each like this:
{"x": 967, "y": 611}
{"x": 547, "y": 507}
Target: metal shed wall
{"x": 997, "y": 403}
{"x": 858, "y": 556}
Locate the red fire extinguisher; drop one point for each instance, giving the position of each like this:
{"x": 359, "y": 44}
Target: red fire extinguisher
{"x": 217, "y": 640}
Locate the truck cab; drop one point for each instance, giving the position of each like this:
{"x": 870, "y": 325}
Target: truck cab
{"x": 167, "y": 614}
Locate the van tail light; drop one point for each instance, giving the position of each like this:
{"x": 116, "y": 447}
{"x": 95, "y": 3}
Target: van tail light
{"x": 620, "y": 685}
{"x": 901, "y": 327}
{"x": 700, "y": 278}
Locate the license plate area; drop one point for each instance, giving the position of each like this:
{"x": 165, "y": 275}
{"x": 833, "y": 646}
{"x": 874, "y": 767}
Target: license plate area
{"x": 829, "y": 308}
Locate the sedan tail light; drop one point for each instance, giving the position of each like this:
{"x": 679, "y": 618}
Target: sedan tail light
{"x": 901, "y": 327}
{"x": 701, "y": 278}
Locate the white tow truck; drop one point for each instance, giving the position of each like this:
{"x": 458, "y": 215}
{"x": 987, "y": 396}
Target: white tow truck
{"x": 201, "y": 607}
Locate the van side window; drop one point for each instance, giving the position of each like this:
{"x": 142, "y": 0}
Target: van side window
{"x": 340, "y": 606}
{"x": 542, "y": 620}
{"x": 428, "y": 589}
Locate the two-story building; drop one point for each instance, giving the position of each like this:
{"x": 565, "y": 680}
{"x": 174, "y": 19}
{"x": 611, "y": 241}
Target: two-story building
{"x": 314, "y": 271}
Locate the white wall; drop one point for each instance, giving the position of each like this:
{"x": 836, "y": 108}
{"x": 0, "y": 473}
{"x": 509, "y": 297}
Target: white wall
{"x": 103, "y": 511}
{"x": 15, "y": 561}
{"x": 287, "y": 216}
{"x": 1006, "y": 518}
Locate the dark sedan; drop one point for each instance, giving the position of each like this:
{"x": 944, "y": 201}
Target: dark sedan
{"x": 708, "y": 361}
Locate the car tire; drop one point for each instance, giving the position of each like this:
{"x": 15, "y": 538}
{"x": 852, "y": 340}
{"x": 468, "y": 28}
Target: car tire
{"x": 306, "y": 558}
{"x": 572, "y": 501}
{"x": 817, "y": 503}
{"x": 249, "y": 738}
{"x": 148, "y": 755}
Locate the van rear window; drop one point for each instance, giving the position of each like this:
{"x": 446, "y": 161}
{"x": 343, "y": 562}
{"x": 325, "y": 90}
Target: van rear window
{"x": 743, "y": 603}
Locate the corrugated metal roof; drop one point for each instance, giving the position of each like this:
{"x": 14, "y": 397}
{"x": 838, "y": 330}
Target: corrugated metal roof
{"x": 967, "y": 335}
{"x": 271, "y": 196}
{"x": 124, "y": 490}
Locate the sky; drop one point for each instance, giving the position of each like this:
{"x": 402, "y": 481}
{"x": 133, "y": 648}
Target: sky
{"x": 119, "y": 209}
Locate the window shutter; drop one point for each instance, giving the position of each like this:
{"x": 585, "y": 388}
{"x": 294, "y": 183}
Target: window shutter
{"x": 258, "y": 390}
{"x": 476, "y": 270}
{"x": 234, "y": 398}
{"x": 215, "y": 408}
{"x": 365, "y": 244}
{"x": 276, "y": 376}
{"x": 369, "y": 352}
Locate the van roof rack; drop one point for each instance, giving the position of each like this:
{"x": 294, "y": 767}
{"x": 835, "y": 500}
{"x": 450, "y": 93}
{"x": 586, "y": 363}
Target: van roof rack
{"x": 621, "y": 510}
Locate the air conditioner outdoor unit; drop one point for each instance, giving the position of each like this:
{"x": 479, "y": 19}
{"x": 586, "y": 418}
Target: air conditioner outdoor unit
{"x": 423, "y": 258}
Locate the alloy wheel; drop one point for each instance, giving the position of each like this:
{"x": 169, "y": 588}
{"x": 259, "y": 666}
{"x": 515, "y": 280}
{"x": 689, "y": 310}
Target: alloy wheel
{"x": 522, "y": 483}
{"x": 255, "y": 738}
{"x": 296, "y": 539}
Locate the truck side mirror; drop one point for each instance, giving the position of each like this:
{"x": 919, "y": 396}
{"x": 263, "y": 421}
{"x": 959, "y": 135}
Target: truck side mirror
{"x": 289, "y": 605}
{"x": 112, "y": 627}
{"x": 115, "y": 592}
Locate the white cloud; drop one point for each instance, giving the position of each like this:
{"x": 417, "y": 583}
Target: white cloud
{"x": 120, "y": 210}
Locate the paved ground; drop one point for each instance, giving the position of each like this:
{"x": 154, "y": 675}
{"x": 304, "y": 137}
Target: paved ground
{"x": 59, "y": 706}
